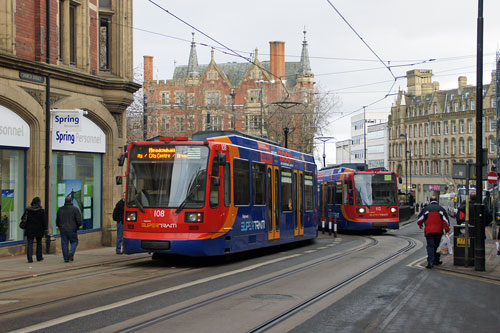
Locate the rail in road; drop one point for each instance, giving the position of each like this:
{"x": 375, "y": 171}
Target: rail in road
{"x": 148, "y": 322}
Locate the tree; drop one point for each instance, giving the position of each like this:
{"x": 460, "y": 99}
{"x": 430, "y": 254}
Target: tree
{"x": 135, "y": 112}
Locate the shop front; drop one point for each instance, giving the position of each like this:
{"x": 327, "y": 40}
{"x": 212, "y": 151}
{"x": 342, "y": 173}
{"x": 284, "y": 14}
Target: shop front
{"x": 14, "y": 143}
{"x": 433, "y": 189}
{"x": 77, "y": 169}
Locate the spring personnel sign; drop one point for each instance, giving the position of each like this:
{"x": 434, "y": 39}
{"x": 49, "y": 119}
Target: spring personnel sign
{"x": 72, "y": 131}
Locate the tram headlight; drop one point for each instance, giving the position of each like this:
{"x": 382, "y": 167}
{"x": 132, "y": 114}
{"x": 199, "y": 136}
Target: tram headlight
{"x": 361, "y": 210}
{"x": 394, "y": 209}
{"x": 131, "y": 216}
{"x": 192, "y": 217}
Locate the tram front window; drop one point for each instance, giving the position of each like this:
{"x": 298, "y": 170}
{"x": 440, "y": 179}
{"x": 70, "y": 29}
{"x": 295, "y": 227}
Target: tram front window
{"x": 375, "y": 189}
{"x": 167, "y": 176}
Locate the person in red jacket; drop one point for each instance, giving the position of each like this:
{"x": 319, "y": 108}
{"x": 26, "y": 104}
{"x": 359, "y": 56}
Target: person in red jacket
{"x": 436, "y": 220}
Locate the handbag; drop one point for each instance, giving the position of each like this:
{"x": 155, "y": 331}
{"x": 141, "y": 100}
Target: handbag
{"x": 24, "y": 220}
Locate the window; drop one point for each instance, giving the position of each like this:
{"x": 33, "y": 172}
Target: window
{"x": 433, "y": 147}
{"x": 105, "y": 44}
{"x": 426, "y": 129}
{"x": 433, "y": 125}
{"x": 213, "y": 98}
{"x": 469, "y": 123}
{"x": 241, "y": 185}
{"x": 446, "y": 168}
{"x": 470, "y": 144}
{"x": 309, "y": 190}
{"x": 190, "y": 99}
{"x": 446, "y": 147}
{"x": 254, "y": 96}
{"x": 453, "y": 147}
{"x": 455, "y": 106}
{"x": 426, "y": 148}
{"x": 67, "y": 33}
{"x": 438, "y": 128}
{"x": 427, "y": 168}
{"x": 179, "y": 97}
{"x": 286, "y": 190}
{"x": 472, "y": 105}
{"x": 227, "y": 185}
{"x": 462, "y": 126}
{"x": 435, "y": 108}
{"x": 492, "y": 145}
{"x": 453, "y": 127}
{"x": 492, "y": 124}
{"x": 253, "y": 122}
{"x": 446, "y": 128}
{"x": 214, "y": 187}
{"x": 438, "y": 147}
{"x": 462, "y": 146}
{"x": 179, "y": 123}
{"x": 493, "y": 103}
{"x": 259, "y": 183}
{"x": 217, "y": 123}
{"x": 165, "y": 97}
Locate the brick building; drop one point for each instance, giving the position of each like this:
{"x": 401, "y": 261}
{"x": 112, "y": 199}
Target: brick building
{"x": 71, "y": 60}
{"x": 246, "y": 97}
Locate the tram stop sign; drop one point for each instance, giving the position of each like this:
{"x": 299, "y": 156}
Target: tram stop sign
{"x": 492, "y": 177}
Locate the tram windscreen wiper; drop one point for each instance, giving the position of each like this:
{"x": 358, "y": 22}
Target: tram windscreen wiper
{"x": 192, "y": 189}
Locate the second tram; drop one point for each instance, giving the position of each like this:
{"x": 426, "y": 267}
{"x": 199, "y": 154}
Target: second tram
{"x": 358, "y": 200}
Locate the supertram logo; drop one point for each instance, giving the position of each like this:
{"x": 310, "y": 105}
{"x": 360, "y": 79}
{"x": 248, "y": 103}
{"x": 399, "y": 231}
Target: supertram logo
{"x": 253, "y": 225}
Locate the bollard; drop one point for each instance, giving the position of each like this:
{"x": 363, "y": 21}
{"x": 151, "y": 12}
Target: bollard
{"x": 323, "y": 226}
{"x": 335, "y": 227}
{"x": 329, "y": 226}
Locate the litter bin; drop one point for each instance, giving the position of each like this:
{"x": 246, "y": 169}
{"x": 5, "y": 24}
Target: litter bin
{"x": 459, "y": 246}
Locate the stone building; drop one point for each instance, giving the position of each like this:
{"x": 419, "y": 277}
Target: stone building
{"x": 246, "y": 97}
{"x": 438, "y": 128}
{"x": 69, "y": 63}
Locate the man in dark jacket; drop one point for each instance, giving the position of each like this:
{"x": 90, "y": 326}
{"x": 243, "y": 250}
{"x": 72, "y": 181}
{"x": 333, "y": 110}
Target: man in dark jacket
{"x": 435, "y": 219}
{"x": 118, "y": 217}
{"x": 68, "y": 220}
{"x": 36, "y": 227}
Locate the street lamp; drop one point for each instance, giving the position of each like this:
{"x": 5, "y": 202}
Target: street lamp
{"x": 406, "y": 161}
{"x": 324, "y": 139}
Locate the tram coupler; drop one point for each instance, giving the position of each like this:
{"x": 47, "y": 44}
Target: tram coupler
{"x": 323, "y": 226}
{"x": 329, "y": 226}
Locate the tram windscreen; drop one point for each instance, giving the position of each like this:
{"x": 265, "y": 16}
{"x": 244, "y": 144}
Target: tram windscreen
{"x": 375, "y": 189}
{"x": 167, "y": 176}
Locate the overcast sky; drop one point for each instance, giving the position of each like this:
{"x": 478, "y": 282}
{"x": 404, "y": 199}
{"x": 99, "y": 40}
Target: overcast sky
{"x": 405, "y": 34}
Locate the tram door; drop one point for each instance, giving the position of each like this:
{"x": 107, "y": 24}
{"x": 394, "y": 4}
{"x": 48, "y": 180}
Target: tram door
{"x": 272, "y": 189}
{"x": 298, "y": 203}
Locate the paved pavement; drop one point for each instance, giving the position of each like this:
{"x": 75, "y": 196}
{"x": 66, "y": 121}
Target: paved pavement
{"x": 17, "y": 267}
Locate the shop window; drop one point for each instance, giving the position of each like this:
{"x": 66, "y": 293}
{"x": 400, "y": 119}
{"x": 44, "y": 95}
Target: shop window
{"x": 79, "y": 176}
{"x": 12, "y": 204}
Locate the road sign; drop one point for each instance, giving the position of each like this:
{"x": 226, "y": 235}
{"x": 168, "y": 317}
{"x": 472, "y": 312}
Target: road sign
{"x": 492, "y": 177}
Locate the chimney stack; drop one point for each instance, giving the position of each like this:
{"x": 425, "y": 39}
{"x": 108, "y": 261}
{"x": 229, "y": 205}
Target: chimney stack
{"x": 148, "y": 68}
{"x": 277, "y": 59}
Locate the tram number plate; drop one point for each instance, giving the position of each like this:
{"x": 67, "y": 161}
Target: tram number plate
{"x": 461, "y": 242}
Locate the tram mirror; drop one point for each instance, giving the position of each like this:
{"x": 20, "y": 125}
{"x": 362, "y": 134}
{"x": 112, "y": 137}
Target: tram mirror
{"x": 121, "y": 159}
{"x": 119, "y": 180}
{"x": 222, "y": 159}
{"x": 214, "y": 181}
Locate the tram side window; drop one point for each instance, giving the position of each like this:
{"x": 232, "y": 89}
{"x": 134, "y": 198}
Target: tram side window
{"x": 227, "y": 185}
{"x": 214, "y": 187}
{"x": 286, "y": 190}
{"x": 309, "y": 189}
{"x": 241, "y": 184}
{"x": 338, "y": 193}
{"x": 259, "y": 184}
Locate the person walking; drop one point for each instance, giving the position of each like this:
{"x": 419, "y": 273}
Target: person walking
{"x": 68, "y": 220}
{"x": 118, "y": 214}
{"x": 36, "y": 227}
{"x": 436, "y": 220}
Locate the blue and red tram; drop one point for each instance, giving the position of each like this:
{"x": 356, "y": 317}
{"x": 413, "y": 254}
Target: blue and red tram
{"x": 216, "y": 194}
{"x": 358, "y": 200}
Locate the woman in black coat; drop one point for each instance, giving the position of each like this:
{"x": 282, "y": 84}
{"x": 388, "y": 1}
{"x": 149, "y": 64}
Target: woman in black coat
{"x": 36, "y": 226}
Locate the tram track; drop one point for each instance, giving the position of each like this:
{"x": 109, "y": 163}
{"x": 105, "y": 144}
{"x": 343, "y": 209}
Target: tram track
{"x": 137, "y": 323}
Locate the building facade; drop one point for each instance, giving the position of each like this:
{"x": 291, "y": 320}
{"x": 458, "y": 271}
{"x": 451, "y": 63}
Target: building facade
{"x": 272, "y": 99}
{"x": 359, "y": 133}
{"x": 377, "y": 146}
{"x": 437, "y": 128}
{"x": 68, "y": 63}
